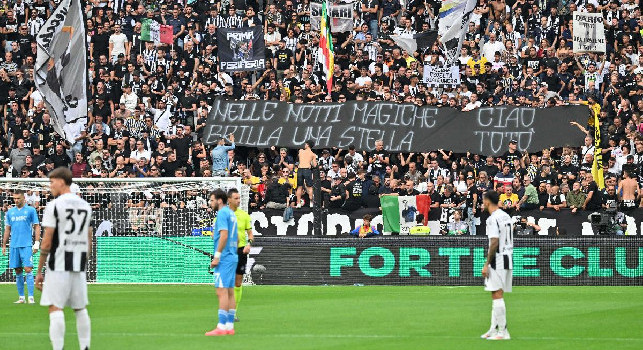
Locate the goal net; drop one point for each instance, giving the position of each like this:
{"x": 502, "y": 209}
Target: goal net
{"x": 145, "y": 230}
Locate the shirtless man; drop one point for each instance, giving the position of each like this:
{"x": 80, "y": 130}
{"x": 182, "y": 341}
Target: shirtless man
{"x": 628, "y": 190}
{"x": 498, "y": 10}
{"x": 307, "y": 161}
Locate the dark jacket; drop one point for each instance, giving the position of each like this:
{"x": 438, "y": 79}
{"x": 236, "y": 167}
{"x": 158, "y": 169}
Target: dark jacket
{"x": 277, "y": 192}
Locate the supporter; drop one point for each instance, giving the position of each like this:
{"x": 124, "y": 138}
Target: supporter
{"x": 503, "y": 179}
{"x": 354, "y": 189}
{"x": 338, "y": 193}
{"x": 593, "y": 198}
{"x": 277, "y": 194}
{"x": 472, "y": 201}
{"x": 79, "y": 167}
{"x": 575, "y": 198}
{"x": 457, "y": 227}
{"x": 609, "y": 199}
{"x": 19, "y": 154}
{"x": 365, "y": 229}
{"x": 508, "y": 200}
{"x": 543, "y": 195}
{"x": 220, "y": 156}
{"x": 60, "y": 157}
{"x": 556, "y": 200}
{"x": 283, "y": 159}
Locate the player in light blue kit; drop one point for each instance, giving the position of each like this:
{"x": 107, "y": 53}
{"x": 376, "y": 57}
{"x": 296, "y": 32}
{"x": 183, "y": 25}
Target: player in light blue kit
{"x": 21, "y": 222}
{"x": 225, "y": 261}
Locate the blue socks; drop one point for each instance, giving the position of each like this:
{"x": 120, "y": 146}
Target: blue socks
{"x": 20, "y": 282}
{"x": 30, "y": 283}
{"x": 223, "y": 318}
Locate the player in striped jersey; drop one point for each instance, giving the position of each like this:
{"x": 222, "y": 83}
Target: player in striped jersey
{"x": 244, "y": 229}
{"x": 498, "y": 268}
{"x": 65, "y": 248}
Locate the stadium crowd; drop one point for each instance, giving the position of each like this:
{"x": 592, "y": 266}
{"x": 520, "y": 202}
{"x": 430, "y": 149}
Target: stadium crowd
{"x": 516, "y": 53}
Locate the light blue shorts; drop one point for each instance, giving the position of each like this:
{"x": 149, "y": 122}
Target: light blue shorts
{"x": 224, "y": 274}
{"x": 20, "y": 257}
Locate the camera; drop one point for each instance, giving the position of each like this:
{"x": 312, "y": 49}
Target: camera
{"x": 605, "y": 222}
{"x": 522, "y": 229}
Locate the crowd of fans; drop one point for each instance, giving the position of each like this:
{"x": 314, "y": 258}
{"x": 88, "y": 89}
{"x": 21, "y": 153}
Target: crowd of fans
{"x": 516, "y": 53}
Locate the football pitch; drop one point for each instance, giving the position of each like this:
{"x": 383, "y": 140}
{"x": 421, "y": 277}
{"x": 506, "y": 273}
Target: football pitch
{"x": 348, "y": 317}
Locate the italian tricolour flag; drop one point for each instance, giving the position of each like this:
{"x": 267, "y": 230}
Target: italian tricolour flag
{"x": 401, "y": 213}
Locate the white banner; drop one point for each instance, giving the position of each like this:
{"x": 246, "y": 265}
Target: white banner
{"x": 589, "y": 32}
{"x": 60, "y": 71}
{"x": 341, "y": 17}
{"x": 441, "y": 76}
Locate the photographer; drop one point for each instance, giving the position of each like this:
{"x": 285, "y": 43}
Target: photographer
{"x": 525, "y": 228}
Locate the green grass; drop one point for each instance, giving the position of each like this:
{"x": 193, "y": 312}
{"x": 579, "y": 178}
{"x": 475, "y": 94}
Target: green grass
{"x": 176, "y": 316}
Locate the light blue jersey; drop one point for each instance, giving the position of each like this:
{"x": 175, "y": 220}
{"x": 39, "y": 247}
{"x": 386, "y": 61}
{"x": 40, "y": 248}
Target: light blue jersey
{"x": 226, "y": 220}
{"x": 21, "y": 221}
{"x": 220, "y": 157}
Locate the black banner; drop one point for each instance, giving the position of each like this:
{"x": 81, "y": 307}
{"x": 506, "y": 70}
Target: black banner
{"x": 336, "y": 223}
{"x": 445, "y": 261}
{"x": 241, "y": 49}
{"x": 402, "y": 127}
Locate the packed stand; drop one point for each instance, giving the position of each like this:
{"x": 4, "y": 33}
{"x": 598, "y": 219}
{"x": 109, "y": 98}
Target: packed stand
{"x": 516, "y": 53}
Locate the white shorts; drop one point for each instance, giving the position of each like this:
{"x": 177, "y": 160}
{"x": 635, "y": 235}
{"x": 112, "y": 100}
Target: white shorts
{"x": 498, "y": 279}
{"x": 65, "y": 288}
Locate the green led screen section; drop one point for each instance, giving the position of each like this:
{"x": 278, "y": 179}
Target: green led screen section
{"x": 153, "y": 260}
{"x": 379, "y": 261}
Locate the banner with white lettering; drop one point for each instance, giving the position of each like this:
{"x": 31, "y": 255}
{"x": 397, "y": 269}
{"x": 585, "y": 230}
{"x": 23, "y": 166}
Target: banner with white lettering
{"x": 589, "y": 32}
{"x": 402, "y": 127}
{"x": 60, "y": 71}
{"x": 441, "y": 76}
{"x": 241, "y": 49}
{"x": 341, "y": 17}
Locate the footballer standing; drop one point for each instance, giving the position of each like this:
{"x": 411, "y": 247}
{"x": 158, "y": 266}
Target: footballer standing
{"x": 498, "y": 268}
{"x": 65, "y": 249}
{"x": 225, "y": 262}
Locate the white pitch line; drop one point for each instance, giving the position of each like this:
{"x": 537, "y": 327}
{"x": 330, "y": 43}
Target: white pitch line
{"x": 338, "y": 336}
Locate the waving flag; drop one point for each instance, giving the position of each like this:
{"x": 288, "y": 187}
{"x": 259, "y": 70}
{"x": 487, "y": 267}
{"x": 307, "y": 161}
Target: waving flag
{"x": 597, "y": 166}
{"x": 145, "y": 29}
{"x": 60, "y": 71}
{"x": 452, "y": 25}
{"x": 150, "y": 30}
{"x": 326, "y": 54}
{"x": 166, "y": 33}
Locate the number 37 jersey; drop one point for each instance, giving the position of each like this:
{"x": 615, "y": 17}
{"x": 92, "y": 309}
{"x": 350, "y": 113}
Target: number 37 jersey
{"x": 500, "y": 225}
{"x": 69, "y": 216}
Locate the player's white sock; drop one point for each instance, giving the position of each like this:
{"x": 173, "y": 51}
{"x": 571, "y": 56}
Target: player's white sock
{"x": 84, "y": 328}
{"x": 494, "y": 324}
{"x": 501, "y": 313}
{"x": 230, "y": 323}
{"x": 57, "y": 329}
